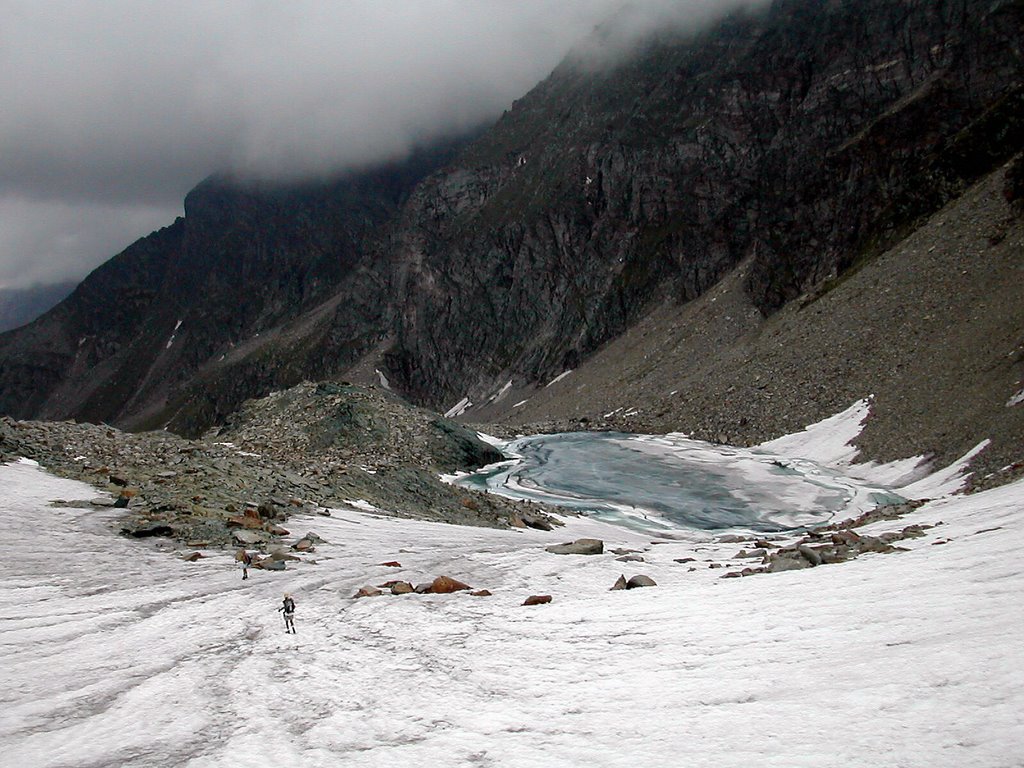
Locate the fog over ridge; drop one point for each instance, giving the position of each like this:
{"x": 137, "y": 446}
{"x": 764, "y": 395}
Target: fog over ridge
{"x": 113, "y": 111}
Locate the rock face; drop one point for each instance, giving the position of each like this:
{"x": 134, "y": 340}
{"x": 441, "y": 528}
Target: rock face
{"x": 187, "y": 323}
{"x": 798, "y": 141}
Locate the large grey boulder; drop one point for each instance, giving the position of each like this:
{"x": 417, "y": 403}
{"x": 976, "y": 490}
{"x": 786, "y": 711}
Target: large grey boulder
{"x": 245, "y": 536}
{"x": 578, "y": 547}
{"x": 640, "y": 581}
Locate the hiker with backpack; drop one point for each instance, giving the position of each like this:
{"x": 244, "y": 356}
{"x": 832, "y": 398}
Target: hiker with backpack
{"x": 244, "y": 561}
{"x": 288, "y": 607}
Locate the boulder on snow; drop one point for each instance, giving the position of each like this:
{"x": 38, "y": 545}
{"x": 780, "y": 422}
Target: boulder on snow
{"x": 578, "y": 547}
{"x": 245, "y": 536}
{"x": 781, "y": 563}
{"x": 537, "y": 600}
{"x": 444, "y": 585}
{"x": 402, "y": 588}
{"x": 759, "y": 552}
{"x": 367, "y": 592}
{"x": 281, "y": 554}
{"x": 620, "y": 583}
{"x": 635, "y": 582}
{"x": 270, "y": 565}
{"x": 540, "y": 522}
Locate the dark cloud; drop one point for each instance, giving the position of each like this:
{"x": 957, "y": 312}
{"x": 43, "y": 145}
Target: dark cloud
{"x": 113, "y": 110}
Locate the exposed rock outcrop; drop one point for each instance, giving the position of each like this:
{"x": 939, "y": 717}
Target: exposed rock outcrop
{"x": 298, "y": 451}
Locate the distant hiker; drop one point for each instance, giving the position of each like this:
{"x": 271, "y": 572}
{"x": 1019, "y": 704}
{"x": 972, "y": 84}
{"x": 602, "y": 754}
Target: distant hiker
{"x": 246, "y": 562}
{"x": 288, "y": 607}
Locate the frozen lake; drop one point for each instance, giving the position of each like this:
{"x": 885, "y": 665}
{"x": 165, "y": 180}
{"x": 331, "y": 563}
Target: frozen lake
{"x": 664, "y": 482}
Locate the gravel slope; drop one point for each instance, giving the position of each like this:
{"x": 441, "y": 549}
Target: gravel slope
{"x": 933, "y": 328}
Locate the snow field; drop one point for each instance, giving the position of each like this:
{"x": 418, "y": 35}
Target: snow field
{"x": 117, "y": 653}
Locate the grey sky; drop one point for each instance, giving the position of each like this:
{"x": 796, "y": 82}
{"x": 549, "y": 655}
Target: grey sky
{"x": 112, "y": 111}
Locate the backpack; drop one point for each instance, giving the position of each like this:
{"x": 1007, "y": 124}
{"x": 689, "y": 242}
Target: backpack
{"x": 289, "y": 605}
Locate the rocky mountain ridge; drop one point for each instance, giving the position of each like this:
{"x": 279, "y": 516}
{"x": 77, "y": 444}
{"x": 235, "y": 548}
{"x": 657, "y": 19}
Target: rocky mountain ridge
{"x": 779, "y": 151}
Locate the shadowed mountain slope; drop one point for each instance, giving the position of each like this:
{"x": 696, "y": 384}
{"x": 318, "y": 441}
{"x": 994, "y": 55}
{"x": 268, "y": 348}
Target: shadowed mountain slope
{"x": 801, "y": 143}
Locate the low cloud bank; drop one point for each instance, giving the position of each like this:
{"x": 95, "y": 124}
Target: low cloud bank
{"x": 113, "y": 111}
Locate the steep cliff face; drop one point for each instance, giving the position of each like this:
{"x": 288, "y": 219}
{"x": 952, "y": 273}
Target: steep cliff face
{"x": 55, "y": 365}
{"x": 801, "y": 138}
{"x": 245, "y": 260}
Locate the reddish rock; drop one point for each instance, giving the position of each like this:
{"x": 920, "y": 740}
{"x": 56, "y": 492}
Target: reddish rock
{"x": 444, "y": 585}
{"x": 537, "y": 600}
{"x": 481, "y": 593}
{"x": 193, "y": 557}
{"x": 367, "y": 592}
{"x": 392, "y": 564}
{"x": 303, "y": 545}
{"x": 244, "y": 522}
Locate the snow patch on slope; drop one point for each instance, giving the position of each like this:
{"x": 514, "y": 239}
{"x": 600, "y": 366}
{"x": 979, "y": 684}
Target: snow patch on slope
{"x": 458, "y": 409}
